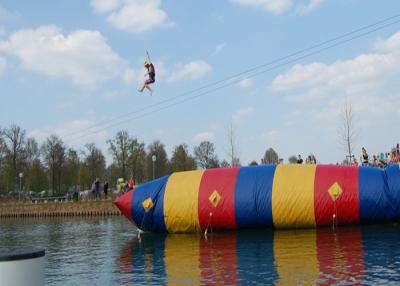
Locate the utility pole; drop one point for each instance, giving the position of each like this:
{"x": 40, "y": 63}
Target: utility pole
{"x": 154, "y": 158}
{"x": 20, "y": 184}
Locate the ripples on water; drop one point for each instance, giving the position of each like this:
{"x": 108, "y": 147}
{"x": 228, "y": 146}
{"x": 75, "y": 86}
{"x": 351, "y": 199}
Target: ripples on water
{"x": 107, "y": 251}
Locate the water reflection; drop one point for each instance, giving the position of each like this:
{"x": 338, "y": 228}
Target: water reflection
{"x": 349, "y": 256}
{"x": 105, "y": 251}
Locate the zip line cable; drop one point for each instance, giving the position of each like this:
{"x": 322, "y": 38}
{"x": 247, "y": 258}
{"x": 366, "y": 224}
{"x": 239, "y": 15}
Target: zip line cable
{"x": 238, "y": 75}
{"x": 233, "y": 76}
{"x": 236, "y": 81}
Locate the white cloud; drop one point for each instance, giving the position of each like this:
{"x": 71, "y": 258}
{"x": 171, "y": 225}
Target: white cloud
{"x": 3, "y": 65}
{"x": 78, "y": 125}
{"x": 73, "y": 132}
{"x": 310, "y": 6}
{"x": 193, "y": 70}
{"x": 360, "y": 75}
{"x": 368, "y": 80}
{"x": 82, "y": 56}
{"x": 242, "y": 114}
{"x": 218, "y": 49}
{"x": 280, "y": 6}
{"x": 309, "y": 95}
{"x": 135, "y": 16}
{"x": 115, "y": 94}
{"x": 130, "y": 76}
{"x": 244, "y": 83}
{"x": 102, "y": 6}
{"x": 391, "y": 44}
{"x": 341, "y": 73}
{"x": 39, "y": 135}
{"x": 271, "y": 137}
{"x": 203, "y": 136}
{"x": 6, "y": 15}
{"x": 272, "y": 6}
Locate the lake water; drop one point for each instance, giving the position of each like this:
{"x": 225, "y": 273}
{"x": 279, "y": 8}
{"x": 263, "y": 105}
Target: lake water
{"x": 107, "y": 251}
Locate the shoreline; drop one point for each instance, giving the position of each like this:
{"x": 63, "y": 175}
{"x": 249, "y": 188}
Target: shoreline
{"x": 58, "y": 209}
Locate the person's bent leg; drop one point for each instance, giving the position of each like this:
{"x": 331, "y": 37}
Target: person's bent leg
{"x": 149, "y": 88}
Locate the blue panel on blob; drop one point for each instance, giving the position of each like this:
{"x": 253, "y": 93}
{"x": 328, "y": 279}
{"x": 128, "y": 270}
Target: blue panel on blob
{"x": 153, "y": 218}
{"x": 375, "y": 202}
{"x": 393, "y": 189}
{"x": 253, "y": 196}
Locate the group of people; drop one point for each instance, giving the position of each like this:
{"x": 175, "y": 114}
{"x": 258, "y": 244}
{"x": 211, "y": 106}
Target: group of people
{"x": 123, "y": 186}
{"x": 96, "y": 189}
{"x": 309, "y": 160}
{"x": 380, "y": 160}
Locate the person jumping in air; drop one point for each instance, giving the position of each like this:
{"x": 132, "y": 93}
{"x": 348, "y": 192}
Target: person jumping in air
{"x": 150, "y": 73}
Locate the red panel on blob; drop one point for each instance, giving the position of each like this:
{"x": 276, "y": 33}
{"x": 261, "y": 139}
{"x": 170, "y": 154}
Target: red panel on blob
{"x": 124, "y": 203}
{"x": 217, "y": 199}
{"x": 336, "y": 185}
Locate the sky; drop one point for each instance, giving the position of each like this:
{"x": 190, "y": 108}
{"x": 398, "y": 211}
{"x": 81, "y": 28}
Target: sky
{"x": 73, "y": 68}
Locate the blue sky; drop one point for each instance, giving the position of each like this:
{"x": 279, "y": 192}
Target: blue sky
{"x": 66, "y": 65}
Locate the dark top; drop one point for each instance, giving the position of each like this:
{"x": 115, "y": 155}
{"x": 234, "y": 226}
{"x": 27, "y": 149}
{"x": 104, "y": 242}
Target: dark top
{"x": 21, "y": 254}
{"x": 97, "y": 186}
{"x": 152, "y": 71}
{"x": 106, "y": 187}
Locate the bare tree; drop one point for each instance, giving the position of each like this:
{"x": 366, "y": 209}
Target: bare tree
{"x": 119, "y": 149}
{"x": 347, "y": 130}
{"x": 53, "y": 151}
{"x": 161, "y": 164}
{"x": 94, "y": 160}
{"x": 14, "y": 145}
{"x": 292, "y": 159}
{"x": 181, "y": 160}
{"x": 32, "y": 152}
{"x": 137, "y": 160}
{"x": 73, "y": 170}
{"x": 225, "y": 164}
{"x": 205, "y": 155}
{"x": 270, "y": 157}
{"x": 2, "y": 149}
{"x": 232, "y": 147}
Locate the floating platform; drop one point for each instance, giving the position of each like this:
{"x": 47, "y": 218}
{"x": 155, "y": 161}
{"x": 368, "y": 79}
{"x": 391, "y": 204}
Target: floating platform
{"x": 268, "y": 196}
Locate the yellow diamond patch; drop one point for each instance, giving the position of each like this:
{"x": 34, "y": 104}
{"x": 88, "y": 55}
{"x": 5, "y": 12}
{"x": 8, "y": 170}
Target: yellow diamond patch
{"x": 215, "y": 198}
{"x": 147, "y": 205}
{"x": 335, "y": 191}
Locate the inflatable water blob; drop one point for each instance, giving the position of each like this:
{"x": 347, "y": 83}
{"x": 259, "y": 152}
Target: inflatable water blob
{"x": 268, "y": 196}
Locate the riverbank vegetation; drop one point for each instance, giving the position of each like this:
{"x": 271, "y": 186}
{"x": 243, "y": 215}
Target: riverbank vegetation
{"x": 55, "y": 168}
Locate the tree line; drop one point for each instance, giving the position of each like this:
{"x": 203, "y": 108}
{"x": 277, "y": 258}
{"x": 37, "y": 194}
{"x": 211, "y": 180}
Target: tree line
{"x": 54, "y": 166}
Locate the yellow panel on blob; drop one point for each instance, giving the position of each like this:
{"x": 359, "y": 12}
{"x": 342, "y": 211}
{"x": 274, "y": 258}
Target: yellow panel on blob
{"x": 293, "y": 196}
{"x": 181, "y": 202}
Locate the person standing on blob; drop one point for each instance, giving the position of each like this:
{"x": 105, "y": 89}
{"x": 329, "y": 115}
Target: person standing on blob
{"x": 364, "y": 157}
{"x": 299, "y": 160}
